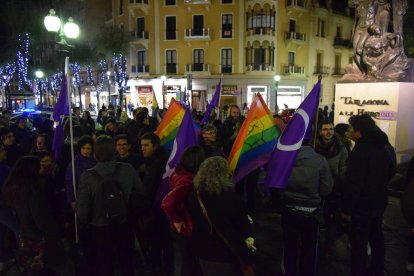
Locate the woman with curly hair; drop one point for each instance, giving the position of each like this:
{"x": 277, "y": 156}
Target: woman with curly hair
{"x": 222, "y": 234}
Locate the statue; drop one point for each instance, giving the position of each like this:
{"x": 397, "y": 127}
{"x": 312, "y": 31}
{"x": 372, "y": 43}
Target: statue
{"x": 378, "y": 54}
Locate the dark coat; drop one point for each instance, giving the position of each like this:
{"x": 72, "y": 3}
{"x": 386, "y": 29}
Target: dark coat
{"x": 228, "y": 214}
{"x": 369, "y": 169}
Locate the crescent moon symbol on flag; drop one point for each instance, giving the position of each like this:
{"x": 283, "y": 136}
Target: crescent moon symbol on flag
{"x": 305, "y": 116}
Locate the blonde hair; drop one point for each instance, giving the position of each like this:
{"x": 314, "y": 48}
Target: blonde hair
{"x": 213, "y": 176}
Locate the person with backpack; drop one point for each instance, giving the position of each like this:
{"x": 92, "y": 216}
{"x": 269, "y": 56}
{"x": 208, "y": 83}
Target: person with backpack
{"x": 110, "y": 196}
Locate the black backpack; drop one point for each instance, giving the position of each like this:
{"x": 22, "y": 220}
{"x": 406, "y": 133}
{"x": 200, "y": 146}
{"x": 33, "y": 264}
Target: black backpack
{"x": 115, "y": 205}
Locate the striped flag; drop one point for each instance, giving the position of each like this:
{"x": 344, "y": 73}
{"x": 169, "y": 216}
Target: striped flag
{"x": 255, "y": 142}
{"x": 170, "y": 123}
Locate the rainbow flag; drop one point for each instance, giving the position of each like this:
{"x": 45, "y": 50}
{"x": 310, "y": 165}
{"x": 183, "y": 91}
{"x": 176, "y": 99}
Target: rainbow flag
{"x": 255, "y": 142}
{"x": 170, "y": 123}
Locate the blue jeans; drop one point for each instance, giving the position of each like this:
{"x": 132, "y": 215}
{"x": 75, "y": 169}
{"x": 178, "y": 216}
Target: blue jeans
{"x": 7, "y": 221}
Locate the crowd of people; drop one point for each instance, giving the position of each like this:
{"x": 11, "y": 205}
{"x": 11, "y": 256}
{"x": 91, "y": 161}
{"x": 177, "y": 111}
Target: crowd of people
{"x": 339, "y": 180}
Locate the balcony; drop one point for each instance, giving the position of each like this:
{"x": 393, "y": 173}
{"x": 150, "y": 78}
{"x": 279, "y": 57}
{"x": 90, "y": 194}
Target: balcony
{"x": 140, "y": 69}
{"x": 171, "y": 68}
{"x": 296, "y": 5}
{"x": 226, "y": 69}
{"x": 197, "y": 2}
{"x": 138, "y": 5}
{"x": 342, "y": 43}
{"x": 322, "y": 70}
{"x": 197, "y": 34}
{"x": 261, "y": 34}
{"x": 201, "y": 68}
{"x": 338, "y": 71}
{"x": 260, "y": 68}
{"x": 294, "y": 70}
{"x": 296, "y": 38}
{"x": 140, "y": 38}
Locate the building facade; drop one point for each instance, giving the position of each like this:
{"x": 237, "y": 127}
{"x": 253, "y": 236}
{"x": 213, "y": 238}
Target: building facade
{"x": 187, "y": 46}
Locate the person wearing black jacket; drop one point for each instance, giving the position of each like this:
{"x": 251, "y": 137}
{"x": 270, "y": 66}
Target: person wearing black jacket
{"x": 155, "y": 227}
{"x": 369, "y": 169}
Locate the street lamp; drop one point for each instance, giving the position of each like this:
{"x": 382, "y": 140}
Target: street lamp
{"x": 39, "y": 75}
{"x": 108, "y": 73}
{"x": 277, "y": 79}
{"x": 163, "y": 78}
{"x": 54, "y": 24}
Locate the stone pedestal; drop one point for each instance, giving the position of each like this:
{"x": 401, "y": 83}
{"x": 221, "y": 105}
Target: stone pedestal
{"x": 391, "y": 104}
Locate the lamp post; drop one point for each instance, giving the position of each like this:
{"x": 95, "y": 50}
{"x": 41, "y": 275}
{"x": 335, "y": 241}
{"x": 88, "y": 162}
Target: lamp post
{"x": 108, "y": 73}
{"x": 277, "y": 79}
{"x": 53, "y": 24}
{"x": 39, "y": 75}
{"x": 163, "y": 78}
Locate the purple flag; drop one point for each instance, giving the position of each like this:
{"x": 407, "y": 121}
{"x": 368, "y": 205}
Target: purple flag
{"x": 61, "y": 110}
{"x": 284, "y": 155}
{"x": 213, "y": 104}
{"x": 186, "y": 136}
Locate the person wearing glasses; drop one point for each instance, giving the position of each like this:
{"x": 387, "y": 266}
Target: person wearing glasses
{"x": 123, "y": 152}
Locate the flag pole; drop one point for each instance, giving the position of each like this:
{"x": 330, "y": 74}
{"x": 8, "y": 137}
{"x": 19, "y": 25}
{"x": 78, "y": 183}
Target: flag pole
{"x": 72, "y": 153}
{"x": 317, "y": 117}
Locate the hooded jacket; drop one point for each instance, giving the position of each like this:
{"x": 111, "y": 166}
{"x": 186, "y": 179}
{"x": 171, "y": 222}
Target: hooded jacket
{"x": 309, "y": 181}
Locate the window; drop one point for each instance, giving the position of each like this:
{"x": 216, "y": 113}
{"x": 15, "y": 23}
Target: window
{"x": 121, "y": 7}
{"x": 170, "y": 2}
{"x": 291, "y": 59}
{"x": 226, "y": 1}
{"x": 261, "y": 20}
{"x": 318, "y": 60}
{"x": 142, "y": 60}
{"x": 259, "y": 59}
{"x": 171, "y": 28}
{"x": 226, "y": 60}
{"x": 198, "y": 60}
{"x": 227, "y": 26}
{"x": 321, "y": 28}
{"x": 198, "y": 25}
{"x": 171, "y": 58}
{"x": 338, "y": 32}
{"x": 121, "y": 27}
{"x": 292, "y": 26}
{"x": 140, "y": 33}
{"x": 337, "y": 70}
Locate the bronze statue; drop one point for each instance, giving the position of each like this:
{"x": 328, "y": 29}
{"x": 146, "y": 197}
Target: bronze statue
{"x": 378, "y": 54}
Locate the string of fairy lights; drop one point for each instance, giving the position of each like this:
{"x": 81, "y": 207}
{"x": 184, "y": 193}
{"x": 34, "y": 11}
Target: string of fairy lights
{"x": 18, "y": 70}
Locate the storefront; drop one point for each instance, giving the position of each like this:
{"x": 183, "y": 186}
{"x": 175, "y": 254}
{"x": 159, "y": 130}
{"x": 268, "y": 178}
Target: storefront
{"x": 229, "y": 96}
{"x": 145, "y": 94}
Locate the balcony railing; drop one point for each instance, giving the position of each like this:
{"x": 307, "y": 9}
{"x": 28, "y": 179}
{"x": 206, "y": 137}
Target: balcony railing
{"x": 295, "y": 36}
{"x": 171, "y": 68}
{"x": 322, "y": 70}
{"x": 140, "y": 35}
{"x": 203, "y": 34}
{"x": 261, "y": 31}
{"x": 140, "y": 68}
{"x": 138, "y": 2}
{"x": 341, "y": 42}
{"x": 297, "y": 4}
{"x": 197, "y": 2}
{"x": 259, "y": 67}
{"x": 226, "y": 69}
{"x": 338, "y": 71}
{"x": 197, "y": 67}
{"x": 293, "y": 69}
